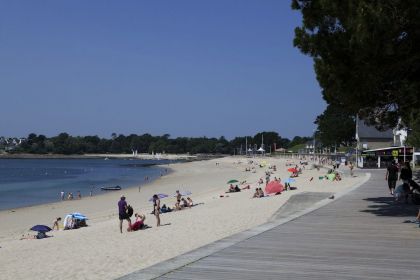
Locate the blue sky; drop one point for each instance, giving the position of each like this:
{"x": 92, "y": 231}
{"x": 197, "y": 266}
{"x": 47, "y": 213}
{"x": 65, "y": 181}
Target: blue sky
{"x": 184, "y": 67}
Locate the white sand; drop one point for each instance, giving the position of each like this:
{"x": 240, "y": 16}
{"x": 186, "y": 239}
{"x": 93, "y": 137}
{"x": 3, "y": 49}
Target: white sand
{"x": 100, "y": 251}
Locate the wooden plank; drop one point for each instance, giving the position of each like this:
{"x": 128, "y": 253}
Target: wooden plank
{"x": 360, "y": 236}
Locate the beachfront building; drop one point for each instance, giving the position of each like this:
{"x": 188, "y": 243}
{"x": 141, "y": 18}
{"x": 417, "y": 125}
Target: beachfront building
{"x": 382, "y": 157}
{"x": 378, "y": 148}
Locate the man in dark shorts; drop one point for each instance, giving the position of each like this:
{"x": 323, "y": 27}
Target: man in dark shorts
{"x": 122, "y": 212}
{"x": 392, "y": 176}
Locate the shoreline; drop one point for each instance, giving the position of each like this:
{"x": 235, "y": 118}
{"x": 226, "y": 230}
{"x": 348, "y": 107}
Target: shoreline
{"x": 220, "y": 215}
{"x": 110, "y": 156}
{"x": 98, "y": 192}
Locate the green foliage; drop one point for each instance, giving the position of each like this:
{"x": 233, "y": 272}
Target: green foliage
{"x": 414, "y": 131}
{"x": 146, "y": 143}
{"x": 297, "y": 140}
{"x": 366, "y": 55}
{"x": 297, "y": 147}
{"x": 335, "y": 127}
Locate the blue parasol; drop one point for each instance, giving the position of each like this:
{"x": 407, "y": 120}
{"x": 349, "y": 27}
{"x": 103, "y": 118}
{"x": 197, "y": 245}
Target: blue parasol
{"x": 78, "y": 216}
{"x": 41, "y": 228}
{"x": 289, "y": 180}
{"x": 160, "y": 195}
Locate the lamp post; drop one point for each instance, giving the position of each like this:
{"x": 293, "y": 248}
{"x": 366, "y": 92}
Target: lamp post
{"x": 314, "y": 141}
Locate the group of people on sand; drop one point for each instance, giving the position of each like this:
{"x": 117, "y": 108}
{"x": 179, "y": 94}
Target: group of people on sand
{"x": 181, "y": 202}
{"x": 70, "y": 195}
{"x": 258, "y": 193}
{"x": 233, "y": 189}
{"x": 332, "y": 175}
{"x": 125, "y": 211}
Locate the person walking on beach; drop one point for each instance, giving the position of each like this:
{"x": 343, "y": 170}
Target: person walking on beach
{"x": 351, "y": 168}
{"x": 178, "y": 200}
{"x": 392, "y": 177}
{"x": 62, "y": 195}
{"x": 156, "y": 209}
{"x": 122, "y": 212}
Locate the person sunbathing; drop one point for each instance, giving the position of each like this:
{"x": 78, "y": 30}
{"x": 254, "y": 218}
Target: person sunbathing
{"x": 256, "y": 194}
{"x": 138, "y": 224}
{"x": 39, "y": 235}
{"x": 261, "y": 192}
{"x": 247, "y": 187}
{"x": 337, "y": 176}
{"x": 231, "y": 189}
{"x": 184, "y": 203}
{"x": 190, "y": 202}
{"x": 165, "y": 209}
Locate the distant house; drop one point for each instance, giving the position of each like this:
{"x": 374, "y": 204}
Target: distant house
{"x": 368, "y": 137}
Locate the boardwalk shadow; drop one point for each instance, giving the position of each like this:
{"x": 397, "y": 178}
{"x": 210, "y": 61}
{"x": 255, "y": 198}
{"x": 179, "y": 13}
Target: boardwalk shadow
{"x": 387, "y": 206}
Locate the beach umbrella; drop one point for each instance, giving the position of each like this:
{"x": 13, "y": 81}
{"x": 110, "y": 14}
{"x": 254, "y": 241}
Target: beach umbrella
{"x": 232, "y": 181}
{"x": 160, "y": 195}
{"x": 289, "y": 180}
{"x": 293, "y": 170}
{"x": 78, "y": 216}
{"x": 41, "y": 228}
{"x": 184, "y": 193}
{"x": 274, "y": 187}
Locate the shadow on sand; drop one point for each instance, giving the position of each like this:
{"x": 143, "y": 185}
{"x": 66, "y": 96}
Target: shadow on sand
{"x": 387, "y": 206}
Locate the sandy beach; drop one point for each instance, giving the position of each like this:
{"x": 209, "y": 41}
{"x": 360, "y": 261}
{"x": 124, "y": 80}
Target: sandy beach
{"x": 100, "y": 251}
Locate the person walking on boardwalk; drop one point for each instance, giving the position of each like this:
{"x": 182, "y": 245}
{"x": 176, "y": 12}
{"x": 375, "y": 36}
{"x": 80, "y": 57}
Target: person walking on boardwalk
{"x": 406, "y": 175}
{"x": 122, "y": 212}
{"x": 392, "y": 176}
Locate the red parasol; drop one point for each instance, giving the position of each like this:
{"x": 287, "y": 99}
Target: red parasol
{"x": 274, "y": 187}
{"x": 293, "y": 170}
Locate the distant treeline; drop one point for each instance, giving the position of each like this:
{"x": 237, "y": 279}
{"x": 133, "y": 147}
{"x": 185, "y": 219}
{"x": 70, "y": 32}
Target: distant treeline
{"x": 146, "y": 143}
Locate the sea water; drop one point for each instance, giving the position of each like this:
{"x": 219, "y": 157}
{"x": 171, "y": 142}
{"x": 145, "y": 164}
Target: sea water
{"x": 27, "y": 182}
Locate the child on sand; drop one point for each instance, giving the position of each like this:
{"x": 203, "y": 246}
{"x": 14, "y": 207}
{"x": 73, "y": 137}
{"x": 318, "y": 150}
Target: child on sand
{"x": 55, "y": 224}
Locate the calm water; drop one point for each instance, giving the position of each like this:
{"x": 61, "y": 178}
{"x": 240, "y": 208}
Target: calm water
{"x": 26, "y": 182}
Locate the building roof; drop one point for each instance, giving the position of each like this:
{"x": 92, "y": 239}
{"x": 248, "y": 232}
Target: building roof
{"x": 387, "y": 148}
{"x": 367, "y": 131}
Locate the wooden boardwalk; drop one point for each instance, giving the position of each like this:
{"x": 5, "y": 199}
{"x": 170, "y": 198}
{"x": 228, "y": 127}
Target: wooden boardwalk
{"x": 359, "y": 236}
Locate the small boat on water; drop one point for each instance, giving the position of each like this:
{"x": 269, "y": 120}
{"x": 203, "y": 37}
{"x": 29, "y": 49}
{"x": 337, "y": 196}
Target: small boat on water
{"x": 116, "y": 188}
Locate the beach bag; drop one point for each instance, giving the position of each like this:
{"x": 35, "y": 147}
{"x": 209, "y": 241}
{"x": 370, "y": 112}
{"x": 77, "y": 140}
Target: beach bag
{"x": 130, "y": 211}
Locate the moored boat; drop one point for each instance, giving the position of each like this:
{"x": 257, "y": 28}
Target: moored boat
{"x": 116, "y": 188}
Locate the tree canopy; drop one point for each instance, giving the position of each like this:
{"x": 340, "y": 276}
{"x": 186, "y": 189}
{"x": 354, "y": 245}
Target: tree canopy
{"x": 366, "y": 56}
{"x": 146, "y": 143}
{"x": 335, "y": 127}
